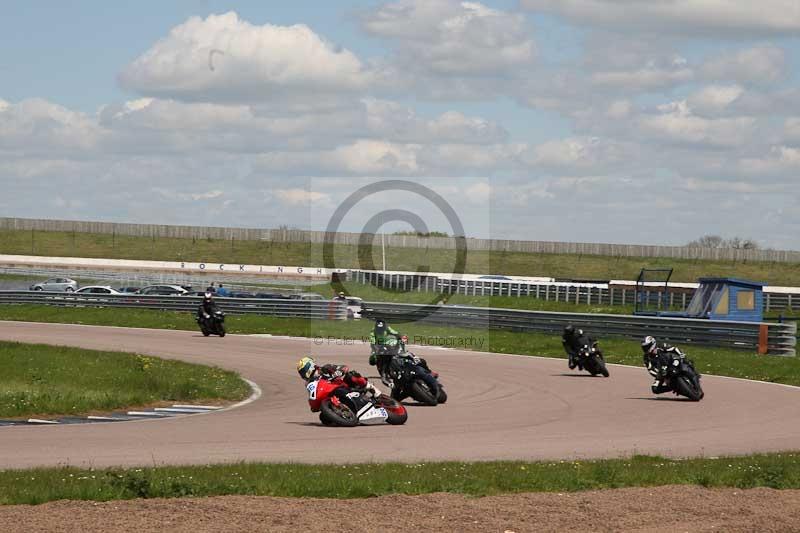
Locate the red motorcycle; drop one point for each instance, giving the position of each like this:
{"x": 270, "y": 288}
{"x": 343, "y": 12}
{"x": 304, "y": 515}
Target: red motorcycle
{"x": 340, "y": 405}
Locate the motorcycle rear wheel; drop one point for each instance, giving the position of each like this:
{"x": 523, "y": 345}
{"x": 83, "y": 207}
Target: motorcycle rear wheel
{"x": 221, "y": 329}
{"x": 340, "y": 415}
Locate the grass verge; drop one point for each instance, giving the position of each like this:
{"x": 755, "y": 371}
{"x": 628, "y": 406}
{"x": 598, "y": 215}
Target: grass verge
{"x": 69, "y": 244}
{"x": 40, "y": 380}
{"x": 779, "y": 471}
{"x": 717, "y": 361}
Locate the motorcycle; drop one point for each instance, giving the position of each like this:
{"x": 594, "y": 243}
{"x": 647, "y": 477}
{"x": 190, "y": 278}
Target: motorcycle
{"x": 411, "y": 376}
{"x": 591, "y": 359}
{"x": 212, "y": 324}
{"x": 682, "y": 377}
{"x": 407, "y": 374}
{"x": 340, "y": 405}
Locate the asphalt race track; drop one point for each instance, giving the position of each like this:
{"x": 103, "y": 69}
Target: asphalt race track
{"x": 499, "y": 407}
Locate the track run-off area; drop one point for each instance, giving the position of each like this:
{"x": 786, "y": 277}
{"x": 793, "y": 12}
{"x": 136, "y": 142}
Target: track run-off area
{"x": 500, "y": 407}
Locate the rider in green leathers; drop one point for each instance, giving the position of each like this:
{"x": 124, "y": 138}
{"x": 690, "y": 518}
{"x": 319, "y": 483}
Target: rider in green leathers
{"x": 384, "y": 341}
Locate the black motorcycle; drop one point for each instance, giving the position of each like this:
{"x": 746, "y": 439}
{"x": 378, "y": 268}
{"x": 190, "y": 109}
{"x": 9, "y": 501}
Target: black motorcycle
{"x": 681, "y": 375}
{"x": 212, "y": 324}
{"x": 590, "y": 358}
{"x": 411, "y": 376}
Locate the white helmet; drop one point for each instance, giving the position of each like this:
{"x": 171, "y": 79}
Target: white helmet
{"x": 649, "y": 345}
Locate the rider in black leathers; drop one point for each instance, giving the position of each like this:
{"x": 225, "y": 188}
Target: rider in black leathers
{"x": 657, "y": 360}
{"x": 207, "y": 308}
{"x": 573, "y": 340}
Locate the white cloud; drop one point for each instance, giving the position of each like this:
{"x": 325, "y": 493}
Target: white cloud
{"x": 645, "y": 78}
{"x": 791, "y": 128}
{"x": 449, "y": 37}
{"x": 714, "y": 99}
{"x": 258, "y": 62}
{"x": 36, "y": 126}
{"x": 676, "y": 122}
{"x": 4, "y": 105}
{"x": 574, "y": 154}
{"x": 172, "y": 195}
{"x": 300, "y": 196}
{"x": 759, "y": 64}
{"x": 728, "y": 18}
{"x": 781, "y": 161}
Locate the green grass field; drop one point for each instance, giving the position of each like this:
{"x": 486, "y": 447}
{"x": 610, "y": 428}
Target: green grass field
{"x": 36, "y": 486}
{"x": 39, "y": 380}
{"x": 70, "y": 244}
{"x": 708, "y": 360}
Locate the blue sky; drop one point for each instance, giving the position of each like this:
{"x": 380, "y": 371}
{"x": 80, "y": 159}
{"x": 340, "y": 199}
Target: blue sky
{"x": 579, "y": 120}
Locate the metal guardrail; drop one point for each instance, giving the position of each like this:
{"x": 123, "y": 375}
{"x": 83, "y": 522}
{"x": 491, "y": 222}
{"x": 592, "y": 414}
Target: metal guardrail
{"x": 775, "y": 339}
{"x": 287, "y": 308}
{"x": 568, "y": 292}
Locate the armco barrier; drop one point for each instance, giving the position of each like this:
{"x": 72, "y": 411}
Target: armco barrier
{"x": 319, "y": 309}
{"x": 780, "y": 338}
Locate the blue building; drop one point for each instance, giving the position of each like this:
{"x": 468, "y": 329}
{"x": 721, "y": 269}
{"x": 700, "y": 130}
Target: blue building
{"x": 728, "y": 299}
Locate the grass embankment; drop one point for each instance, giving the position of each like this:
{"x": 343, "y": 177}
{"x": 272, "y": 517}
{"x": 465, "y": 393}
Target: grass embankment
{"x": 708, "y": 360}
{"x": 780, "y": 471}
{"x": 39, "y": 380}
{"x": 68, "y": 244}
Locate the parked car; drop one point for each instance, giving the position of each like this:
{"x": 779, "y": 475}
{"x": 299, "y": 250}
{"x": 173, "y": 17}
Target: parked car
{"x": 128, "y": 290}
{"x": 56, "y": 285}
{"x": 162, "y": 290}
{"x": 354, "y": 306}
{"x": 307, "y": 296}
{"x": 97, "y": 289}
{"x": 271, "y": 295}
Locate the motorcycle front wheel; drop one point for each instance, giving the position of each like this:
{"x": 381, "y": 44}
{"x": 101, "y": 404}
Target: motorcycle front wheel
{"x": 685, "y": 387}
{"x": 338, "y": 415}
{"x": 424, "y": 393}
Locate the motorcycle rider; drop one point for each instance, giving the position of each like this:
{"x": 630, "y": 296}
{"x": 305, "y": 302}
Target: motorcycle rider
{"x": 573, "y": 340}
{"x": 207, "y": 307}
{"x": 657, "y": 360}
{"x": 382, "y": 335}
{"x": 310, "y": 371}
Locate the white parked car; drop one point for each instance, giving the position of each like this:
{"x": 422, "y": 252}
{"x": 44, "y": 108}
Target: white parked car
{"x": 163, "y": 290}
{"x": 97, "y": 289}
{"x": 354, "y": 307}
{"x": 56, "y": 285}
{"x": 307, "y": 296}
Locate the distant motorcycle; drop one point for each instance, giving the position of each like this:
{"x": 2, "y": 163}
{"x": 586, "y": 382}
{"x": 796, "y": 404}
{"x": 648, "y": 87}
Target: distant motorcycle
{"x": 212, "y": 324}
{"x": 590, "y": 358}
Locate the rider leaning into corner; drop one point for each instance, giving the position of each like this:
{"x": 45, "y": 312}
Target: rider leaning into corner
{"x": 310, "y": 371}
{"x": 657, "y": 359}
{"x": 573, "y": 340}
{"x": 208, "y": 307}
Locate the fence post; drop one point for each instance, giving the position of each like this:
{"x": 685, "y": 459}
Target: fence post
{"x": 763, "y": 339}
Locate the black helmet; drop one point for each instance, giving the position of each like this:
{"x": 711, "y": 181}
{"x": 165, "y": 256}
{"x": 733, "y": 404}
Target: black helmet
{"x": 569, "y": 330}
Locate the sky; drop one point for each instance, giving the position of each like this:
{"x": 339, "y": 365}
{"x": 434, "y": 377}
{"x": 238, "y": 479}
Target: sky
{"x": 642, "y": 122}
